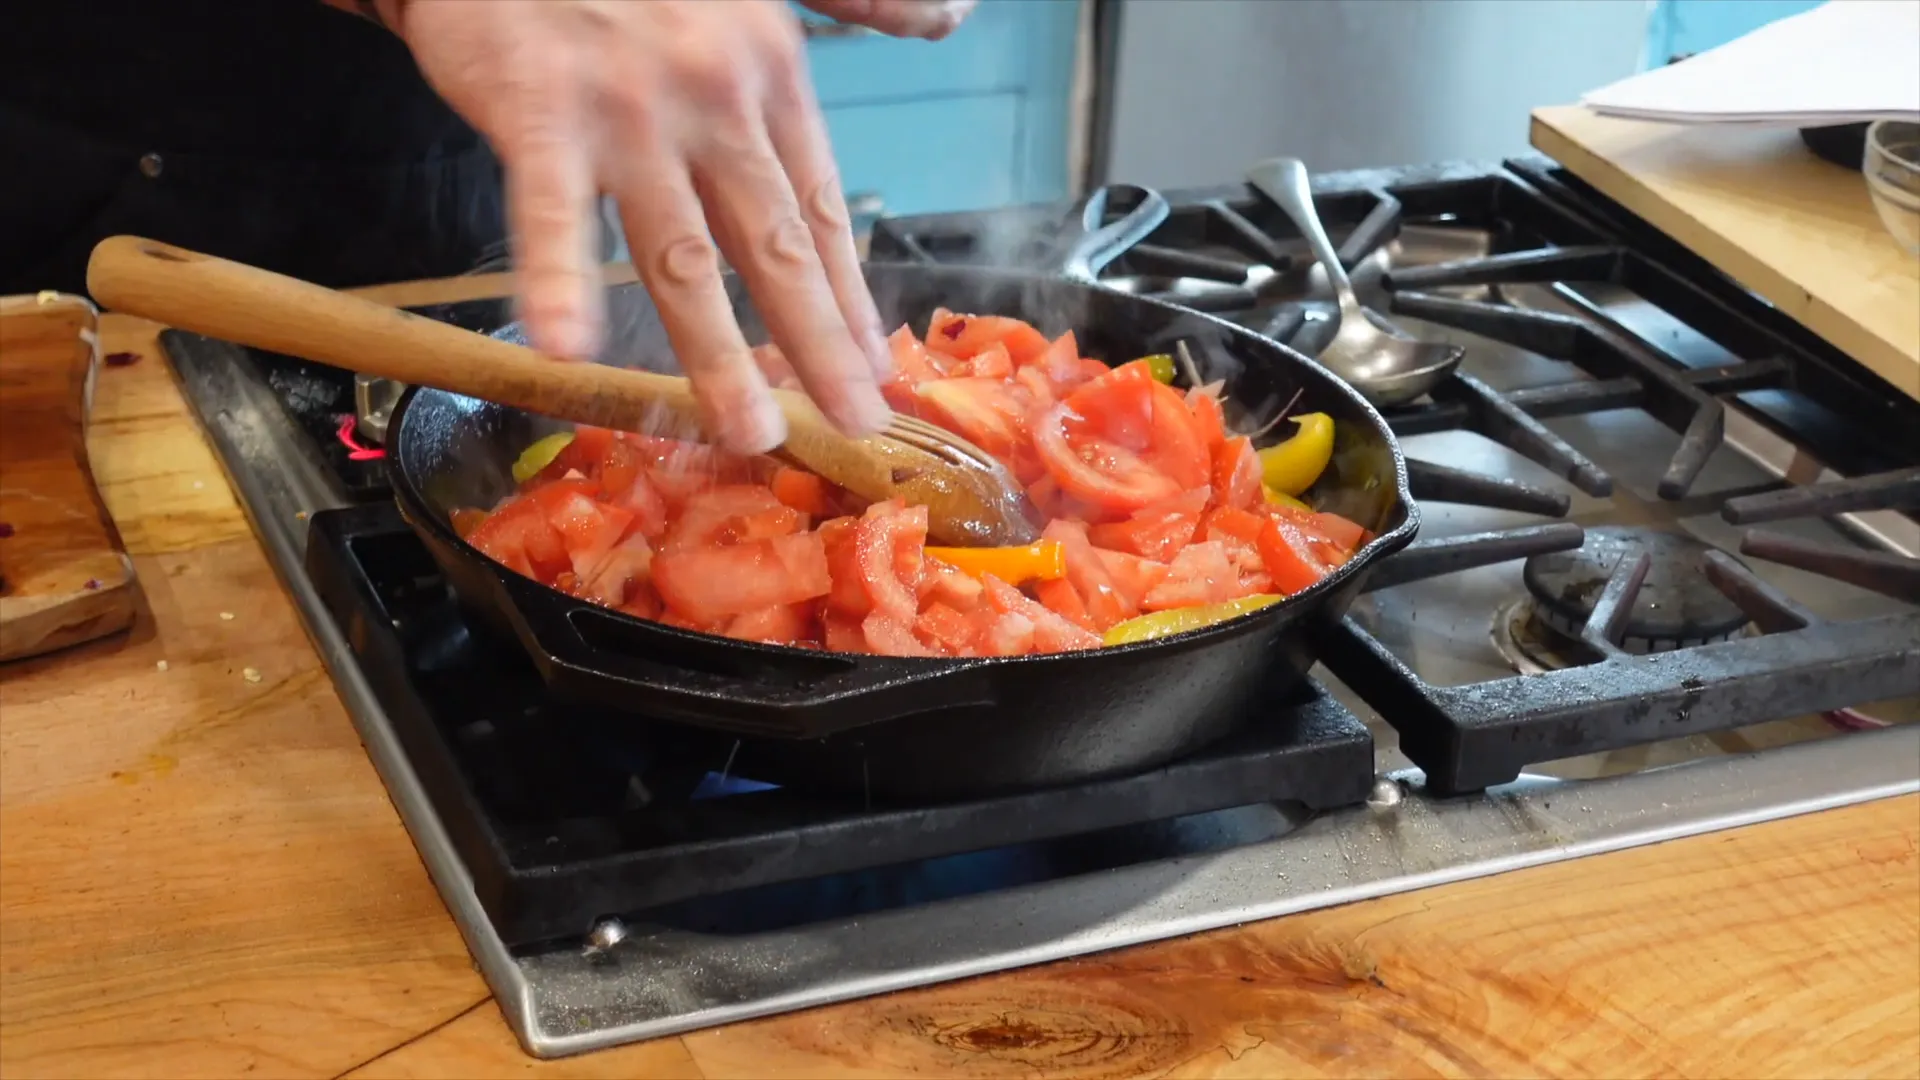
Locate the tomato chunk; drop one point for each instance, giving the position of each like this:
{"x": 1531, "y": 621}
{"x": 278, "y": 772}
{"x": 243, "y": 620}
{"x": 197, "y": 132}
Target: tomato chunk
{"x": 708, "y": 584}
{"x": 1201, "y": 574}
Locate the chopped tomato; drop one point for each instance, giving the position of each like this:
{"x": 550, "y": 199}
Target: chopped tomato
{"x": 465, "y": 520}
{"x": 991, "y": 362}
{"x": 612, "y": 579}
{"x": 942, "y": 583}
{"x": 648, "y": 506}
{"x": 780, "y": 624}
{"x": 910, "y": 362}
{"x": 1236, "y": 474}
{"x": 966, "y": 336}
{"x": 1208, "y": 418}
{"x": 1051, "y": 632}
{"x": 585, "y": 453}
{"x": 946, "y": 629}
{"x": 1153, "y": 506}
{"x": 731, "y": 515}
{"x": 711, "y": 583}
{"x": 982, "y": 411}
{"x": 1060, "y": 597}
{"x": 1290, "y": 558}
{"x": 842, "y": 633}
{"x": 803, "y": 491}
{"x": 1203, "y": 573}
{"x": 1155, "y": 532}
{"x": 1102, "y": 473}
{"x": 1088, "y": 575}
{"x": 1133, "y": 577}
{"x": 889, "y": 636}
{"x": 519, "y": 535}
{"x": 888, "y": 550}
{"x": 1233, "y": 523}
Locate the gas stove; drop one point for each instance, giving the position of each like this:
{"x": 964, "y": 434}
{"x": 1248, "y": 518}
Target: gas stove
{"x": 1588, "y": 648}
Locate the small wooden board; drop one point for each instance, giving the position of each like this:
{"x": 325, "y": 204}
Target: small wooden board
{"x": 64, "y": 577}
{"x": 1756, "y": 203}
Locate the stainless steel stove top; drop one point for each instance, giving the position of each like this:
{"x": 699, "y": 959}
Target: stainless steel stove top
{"x": 634, "y": 979}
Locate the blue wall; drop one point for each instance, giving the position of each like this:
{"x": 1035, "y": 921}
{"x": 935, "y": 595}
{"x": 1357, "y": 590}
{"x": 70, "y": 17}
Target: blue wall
{"x": 1679, "y": 27}
{"x": 980, "y": 119}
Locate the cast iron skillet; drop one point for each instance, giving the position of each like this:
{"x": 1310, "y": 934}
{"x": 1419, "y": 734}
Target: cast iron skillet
{"x": 922, "y": 729}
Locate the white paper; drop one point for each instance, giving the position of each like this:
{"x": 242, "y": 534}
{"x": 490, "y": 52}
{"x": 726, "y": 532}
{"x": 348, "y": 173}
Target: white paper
{"x": 1843, "y": 62}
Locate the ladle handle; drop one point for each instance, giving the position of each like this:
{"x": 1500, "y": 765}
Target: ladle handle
{"x": 1284, "y": 180}
{"x": 258, "y": 308}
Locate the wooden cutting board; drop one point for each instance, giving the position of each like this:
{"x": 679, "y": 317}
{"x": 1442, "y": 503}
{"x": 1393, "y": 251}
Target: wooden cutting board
{"x": 64, "y": 577}
{"x": 1756, "y": 203}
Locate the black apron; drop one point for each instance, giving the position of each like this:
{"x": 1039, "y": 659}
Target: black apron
{"x": 281, "y": 133}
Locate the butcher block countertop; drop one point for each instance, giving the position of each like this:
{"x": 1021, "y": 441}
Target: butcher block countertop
{"x": 1756, "y": 203}
{"x": 201, "y": 875}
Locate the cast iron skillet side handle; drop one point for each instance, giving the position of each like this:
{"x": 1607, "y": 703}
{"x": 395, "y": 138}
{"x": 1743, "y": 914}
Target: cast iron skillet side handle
{"x": 803, "y": 697}
{"x": 1099, "y": 242}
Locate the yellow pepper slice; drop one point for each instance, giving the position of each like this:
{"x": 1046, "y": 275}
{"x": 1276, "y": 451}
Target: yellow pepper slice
{"x": 1291, "y": 467}
{"x": 1161, "y": 365}
{"x": 1043, "y": 561}
{"x": 539, "y": 455}
{"x": 1281, "y": 498}
{"x": 1180, "y": 620}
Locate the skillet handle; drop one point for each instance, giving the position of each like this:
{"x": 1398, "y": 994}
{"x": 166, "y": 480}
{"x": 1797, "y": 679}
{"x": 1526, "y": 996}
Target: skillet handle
{"x": 1097, "y": 242}
{"x": 588, "y": 654}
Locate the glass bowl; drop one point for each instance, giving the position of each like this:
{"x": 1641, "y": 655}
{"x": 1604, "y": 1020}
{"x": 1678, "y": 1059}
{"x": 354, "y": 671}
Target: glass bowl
{"x": 1892, "y": 168}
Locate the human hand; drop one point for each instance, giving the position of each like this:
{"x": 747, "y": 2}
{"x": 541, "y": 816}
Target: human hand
{"x": 698, "y": 117}
{"x": 929, "y": 19}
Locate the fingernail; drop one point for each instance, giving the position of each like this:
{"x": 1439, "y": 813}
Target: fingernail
{"x": 863, "y": 411}
{"x": 760, "y": 430}
{"x": 569, "y": 337}
{"x": 879, "y": 353}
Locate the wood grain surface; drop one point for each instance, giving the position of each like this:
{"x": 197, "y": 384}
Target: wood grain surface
{"x": 200, "y": 875}
{"x": 63, "y": 577}
{"x": 1756, "y": 203}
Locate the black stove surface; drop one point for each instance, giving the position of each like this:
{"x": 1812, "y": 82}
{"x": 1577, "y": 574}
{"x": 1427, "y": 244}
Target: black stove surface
{"x": 562, "y": 815}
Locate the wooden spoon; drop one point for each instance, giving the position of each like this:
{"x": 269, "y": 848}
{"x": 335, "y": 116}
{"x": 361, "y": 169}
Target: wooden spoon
{"x": 970, "y": 499}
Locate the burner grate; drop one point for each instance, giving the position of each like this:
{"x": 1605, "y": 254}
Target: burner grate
{"x": 1543, "y": 234}
{"x": 563, "y": 815}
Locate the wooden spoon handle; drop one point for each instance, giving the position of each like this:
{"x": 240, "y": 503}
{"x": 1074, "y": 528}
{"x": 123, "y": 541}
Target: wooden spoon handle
{"x": 265, "y": 310}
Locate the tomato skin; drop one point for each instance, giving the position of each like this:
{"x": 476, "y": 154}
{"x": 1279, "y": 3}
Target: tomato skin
{"x": 1051, "y": 632}
{"x": 731, "y": 514}
{"x": 910, "y": 362}
{"x": 889, "y": 550}
{"x": 709, "y": 584}
{"x": 965, "y": 336}
{"x": 982, "y": 411}
{"x": 1209, "y": 419}
{"x": 1124, "y": 484}
{"x": 1236, "y": 474}
{"x": 1104, "y": 603}
{"x": 946, "y": 629}
{"x": 1289, "y": 558}
{"x": 1060, "y": 597}
{"x": 519, "y": 535}
{"x": 1155, "y": 532}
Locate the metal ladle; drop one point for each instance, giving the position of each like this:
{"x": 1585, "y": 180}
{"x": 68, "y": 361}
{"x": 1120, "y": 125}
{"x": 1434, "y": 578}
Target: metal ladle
{"x": 1372, "y": 355}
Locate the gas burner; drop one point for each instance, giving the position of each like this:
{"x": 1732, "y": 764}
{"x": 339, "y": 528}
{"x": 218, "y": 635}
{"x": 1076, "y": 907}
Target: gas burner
{"x": 1677, "y": 606}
